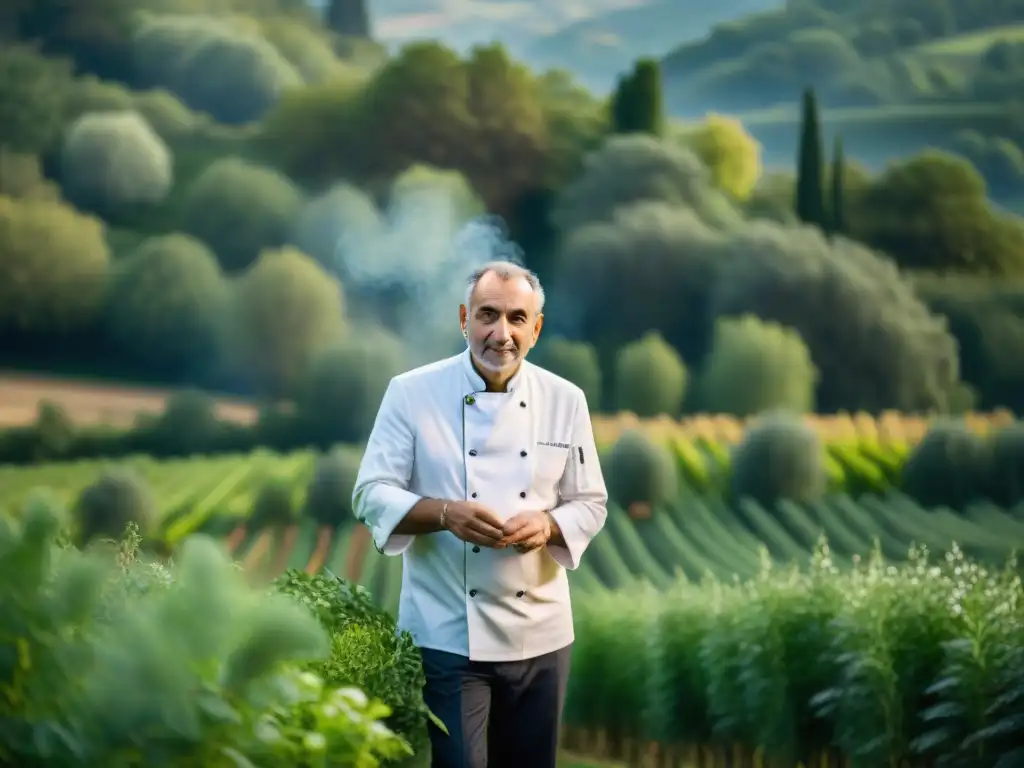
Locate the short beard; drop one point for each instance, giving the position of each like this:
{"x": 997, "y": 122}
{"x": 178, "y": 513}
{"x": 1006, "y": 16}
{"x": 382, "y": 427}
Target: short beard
{"x": 492, "y": 367}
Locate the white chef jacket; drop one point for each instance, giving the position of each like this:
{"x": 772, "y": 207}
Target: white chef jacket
{"x": 440, "y": 435}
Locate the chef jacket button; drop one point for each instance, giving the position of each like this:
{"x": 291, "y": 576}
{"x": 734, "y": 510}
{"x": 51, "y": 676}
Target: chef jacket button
{"x": 523, "y": 454}
{"x": 522, "y": 494}
{"x": 470, "y": 399}
{"x": 472, "y": 593}
{"x": 520, "y": 594}
{"x": 473, "y": 494}
{"x": 476, "y": 549}
{"x": 473, "y": 452}
{"x": 522, "y": 403}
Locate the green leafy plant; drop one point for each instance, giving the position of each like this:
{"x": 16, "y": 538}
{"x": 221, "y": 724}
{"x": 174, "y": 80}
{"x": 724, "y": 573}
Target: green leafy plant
{"x": 367, "y": 650}
{"x": 106, "y": 659}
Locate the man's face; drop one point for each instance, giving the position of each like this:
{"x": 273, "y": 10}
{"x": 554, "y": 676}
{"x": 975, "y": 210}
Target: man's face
{"x": 502, "y": 323}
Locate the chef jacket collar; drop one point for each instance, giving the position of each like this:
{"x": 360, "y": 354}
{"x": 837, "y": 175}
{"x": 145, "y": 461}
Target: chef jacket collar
{"x": 477, "y": 382}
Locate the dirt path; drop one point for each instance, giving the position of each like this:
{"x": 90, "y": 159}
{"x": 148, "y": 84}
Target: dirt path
{"x": 94, "y": 403}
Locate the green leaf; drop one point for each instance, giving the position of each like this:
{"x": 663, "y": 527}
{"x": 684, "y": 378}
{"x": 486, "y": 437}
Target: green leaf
{"x": 237, "y": 758}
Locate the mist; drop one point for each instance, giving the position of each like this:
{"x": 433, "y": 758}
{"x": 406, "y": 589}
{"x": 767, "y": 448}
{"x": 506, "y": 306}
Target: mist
{"x": 410, "y": 265}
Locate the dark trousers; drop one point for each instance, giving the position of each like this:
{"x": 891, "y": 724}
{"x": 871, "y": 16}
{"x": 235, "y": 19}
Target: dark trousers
{"x": 499, "y": 714}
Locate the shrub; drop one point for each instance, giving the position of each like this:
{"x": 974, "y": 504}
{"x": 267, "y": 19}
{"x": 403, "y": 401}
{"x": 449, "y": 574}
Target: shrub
{"x": 236, "y": 78}
{"x": 324, "y": 116}
{"x": 756, "y": 366}
{"x": 114, "y": 159}
{"x": 345, "y": 383}
{"x": 948, "y": 467}
{"x": 169, "y": 117}
{"x": 650, "y": 377}
{"x": 309, "y": 52}
{"x": 875, "y": 343}
{"x": 781, "y": 458}
{"x": 932, "y": 212}
{"x": 105, "y": 507}
{"x": 286, "y": 309}
{"x": 22, "y": 178}
{"x": 167, "y": 304}
{"x": 239, "y": 209}
{"x": 575, "y": 361}
{"x": 640, "y": 471}
{"x": 54, "y": 267}
{"x": 329, "y": 494}
{"x": 637, "y": 168}
{"x": 33, "y": 93}
{"x": 367, "y": 651}
{"x": 188, "y": 426}
{"x": 731, "y": 155}
{"x": 55, "y": 432}
{"x": 89, "y": 94}
{"x": 1006, "y": 475}
{"x": 213, "y": 66}
{"x": 274, "y": 506}
{"x": 188, "y": 655}
{"x": 656, "y": 263}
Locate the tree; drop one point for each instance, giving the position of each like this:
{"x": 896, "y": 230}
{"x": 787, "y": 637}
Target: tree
{"x": 640, "y": 168}
{"x": 239, "y": 208}
{"x": 349, "y": 18}
{"x": 482, "y": 117}
{"x": 415, "y": 110}
{"x": 509, "y": 140}
{"x": 931, "y": 212}
{"x": 344, "y": 384}
{"x": 809, "y": 202}
{"x": 32, "y": 99}
{"x": 650, "y": 377}
{"x": 287, "y": 308}
{"x": 637, "y": 103}
{"x": 876, "y": 345}
{"x": 837, "y": 220}
{"x": 756, "y": 366}
{"x": 575, "y": 361}
{"x": 213, "y": 66}
{"x": 732, "y": 156}
{"x": 53, "y": 269}
{"x": 167, "y": 305}
{"x": 114, "y": 159}
{"x": 655, "y": 263}
{"x": 94, "y": 34}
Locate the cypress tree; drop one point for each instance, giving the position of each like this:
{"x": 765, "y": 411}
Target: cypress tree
{"x": 637, "y": 105}
{"x": 810, "y": 201}
{"x": 838, "y": 220}
{"x": 349, "y": 18}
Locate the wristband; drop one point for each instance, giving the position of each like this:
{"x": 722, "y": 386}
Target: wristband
{"x": 444, "y": 514}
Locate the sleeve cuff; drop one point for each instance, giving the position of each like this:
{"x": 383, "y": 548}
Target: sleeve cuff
{"x": 576, "y": 540}
{"x": 396, "y": 502}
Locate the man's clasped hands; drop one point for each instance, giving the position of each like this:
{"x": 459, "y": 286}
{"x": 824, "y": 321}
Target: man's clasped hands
{"x": 477, "y": 524}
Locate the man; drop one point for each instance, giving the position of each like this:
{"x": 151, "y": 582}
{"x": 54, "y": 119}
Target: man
{"x": 481, "y": 471}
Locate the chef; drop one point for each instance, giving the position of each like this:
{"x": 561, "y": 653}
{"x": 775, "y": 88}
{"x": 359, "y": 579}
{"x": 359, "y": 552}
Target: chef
{"x": 481, "y": 471}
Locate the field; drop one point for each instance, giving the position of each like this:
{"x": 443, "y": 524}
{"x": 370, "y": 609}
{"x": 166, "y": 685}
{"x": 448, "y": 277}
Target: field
{"x": 709, "y": 631}
{"x": 700, "y": 532}
{"x": 90, "y": 404}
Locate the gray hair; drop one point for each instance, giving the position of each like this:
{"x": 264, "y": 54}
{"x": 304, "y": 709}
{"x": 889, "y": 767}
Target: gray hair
{"x": 506, "y": 270}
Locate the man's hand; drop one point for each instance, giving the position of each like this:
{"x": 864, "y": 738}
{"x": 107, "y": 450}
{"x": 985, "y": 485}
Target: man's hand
{"x": 474, "y": 523}
{"x": 527, "y": 531}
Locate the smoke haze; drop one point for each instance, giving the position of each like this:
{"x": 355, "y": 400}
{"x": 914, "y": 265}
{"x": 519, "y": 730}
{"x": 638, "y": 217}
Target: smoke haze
{"x": 415, "y": 260}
